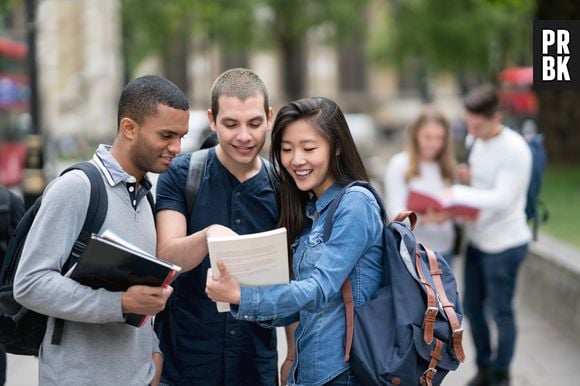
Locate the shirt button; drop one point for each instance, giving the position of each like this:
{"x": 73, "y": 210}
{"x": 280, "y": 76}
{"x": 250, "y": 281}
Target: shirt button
{"x": 131, "y": 189}
{"x": 232, "y": 332}
{"x": 134, "y": 202}
{"x": 238, "y": 221}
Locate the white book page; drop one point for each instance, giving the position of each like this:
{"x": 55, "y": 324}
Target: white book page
{"x": 254, "y": 260}
{"x": 109, "y": 235}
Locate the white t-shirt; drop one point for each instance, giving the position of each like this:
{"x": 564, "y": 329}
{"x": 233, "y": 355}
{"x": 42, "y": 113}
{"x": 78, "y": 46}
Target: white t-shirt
{"x": 500, "y": 174}
{"x": 439, "y": 237}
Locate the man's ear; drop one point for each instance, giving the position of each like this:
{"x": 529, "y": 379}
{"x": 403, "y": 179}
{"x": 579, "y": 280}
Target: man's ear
{"x": 211, "y": 118}
{"x": 128, "y": 128}
{"x": 270, "y": 118}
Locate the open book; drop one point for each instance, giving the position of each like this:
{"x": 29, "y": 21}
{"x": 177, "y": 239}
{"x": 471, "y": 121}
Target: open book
{"x": 421, "y": 202}
{"x": 110, "y": 262}
{"x": 254, "y": 260}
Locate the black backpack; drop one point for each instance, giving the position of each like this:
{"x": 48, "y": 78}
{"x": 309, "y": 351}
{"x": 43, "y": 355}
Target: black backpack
{"x": 409, "y": 332}
{"x": 536, "y": 210}
{"x": 10, "y": 214}
{"x": 22, "y": 330}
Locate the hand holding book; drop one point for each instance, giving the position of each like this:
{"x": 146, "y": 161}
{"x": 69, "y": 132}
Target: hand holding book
{"x": 222, "y": 287}
{"x": 111, "y": 263}
{"x": 252, "y": 260}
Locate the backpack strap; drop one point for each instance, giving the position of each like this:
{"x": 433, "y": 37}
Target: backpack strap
{"x": 197, "y": 165}
{"x": 327, "y": 230}
{"x": 448, "y": 307}
{"x": 196, "y": 170}
{"x": 94, "y": 219}
{"x": 407, "y": 214}
{"x": 271, "y": 174}
{"x": 431, "y": 312}
{"x": 428, "y": 375}
{"x": 4, "y": 213}
{"x": 346, "y": 288}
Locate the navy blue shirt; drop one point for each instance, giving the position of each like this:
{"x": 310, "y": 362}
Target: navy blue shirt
{"x": 202, "y": 346}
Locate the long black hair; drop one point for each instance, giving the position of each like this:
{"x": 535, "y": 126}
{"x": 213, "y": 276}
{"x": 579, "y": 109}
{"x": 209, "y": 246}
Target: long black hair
{"x": 345, "y": 164}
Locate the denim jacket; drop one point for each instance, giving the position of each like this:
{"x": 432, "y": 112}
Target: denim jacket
{"x": 314, "y": 296}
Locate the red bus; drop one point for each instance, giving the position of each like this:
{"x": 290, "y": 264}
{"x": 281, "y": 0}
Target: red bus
{"x": 14, "y": 110}
{"x": 517, "y": 98}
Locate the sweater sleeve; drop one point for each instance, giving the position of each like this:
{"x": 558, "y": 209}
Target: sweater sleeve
{"x": 39, "y": 284}
{"x": 509, "y": 184}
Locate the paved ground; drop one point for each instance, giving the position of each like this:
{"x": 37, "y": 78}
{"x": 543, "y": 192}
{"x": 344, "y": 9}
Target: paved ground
{"x": 544, "y": 355}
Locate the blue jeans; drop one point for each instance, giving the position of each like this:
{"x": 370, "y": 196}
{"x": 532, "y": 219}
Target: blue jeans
{"x": 345, "y": 379}
{"x": 490, "y": 281}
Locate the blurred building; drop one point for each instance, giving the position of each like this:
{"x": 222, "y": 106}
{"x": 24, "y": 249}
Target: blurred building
{"x": 81, "y": 72}
{"x": 345, "y": 74}
{"x": 80, "y": 67}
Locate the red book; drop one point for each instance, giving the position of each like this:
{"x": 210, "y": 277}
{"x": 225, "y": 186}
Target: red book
{"x": 421, "y": 202}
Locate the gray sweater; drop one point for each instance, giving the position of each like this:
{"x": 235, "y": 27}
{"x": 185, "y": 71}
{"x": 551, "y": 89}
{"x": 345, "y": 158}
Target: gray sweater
{"x": 97, "y": 347}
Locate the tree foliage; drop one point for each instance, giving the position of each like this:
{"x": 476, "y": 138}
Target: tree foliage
{"x": 479, "y": 36}
{"x": 236, "y": 25}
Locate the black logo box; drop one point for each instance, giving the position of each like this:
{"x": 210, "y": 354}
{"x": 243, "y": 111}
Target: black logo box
{"x": 573, "y": 65}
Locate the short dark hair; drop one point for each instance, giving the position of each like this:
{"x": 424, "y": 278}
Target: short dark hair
{"x": 482, "y": 100}
{"x": 241, "y": 83}
{"x": 141, "y": 96}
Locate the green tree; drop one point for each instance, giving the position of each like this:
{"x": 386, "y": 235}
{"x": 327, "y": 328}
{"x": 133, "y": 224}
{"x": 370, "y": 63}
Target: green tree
{"x": 237, "y": 26}
{"x": 471, "y": 37}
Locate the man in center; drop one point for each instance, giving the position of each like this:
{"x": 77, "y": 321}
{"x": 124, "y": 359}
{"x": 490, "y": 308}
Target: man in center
{"x": 202, "y": 346}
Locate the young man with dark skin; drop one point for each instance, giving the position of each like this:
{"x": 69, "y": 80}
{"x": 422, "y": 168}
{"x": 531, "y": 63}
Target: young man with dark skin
{"x": 97, "y": 346}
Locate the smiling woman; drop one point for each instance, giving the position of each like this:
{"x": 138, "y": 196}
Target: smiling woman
{"x": 305, "y": 155}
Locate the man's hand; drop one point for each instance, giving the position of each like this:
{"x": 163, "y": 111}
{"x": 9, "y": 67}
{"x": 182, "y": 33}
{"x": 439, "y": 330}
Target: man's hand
{"x": 217, "y": 230}
{"x": 225, "y": 289}
{"x": 145, "y": 300}
{"x": 462, "y": 173}
{"x": 158, "y": 362}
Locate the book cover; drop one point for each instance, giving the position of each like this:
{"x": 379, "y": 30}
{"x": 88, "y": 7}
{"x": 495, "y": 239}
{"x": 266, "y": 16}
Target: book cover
{"x": 255, "y": 259}
{"x": 111, "y": 263}
{"x": 421, "y": 202}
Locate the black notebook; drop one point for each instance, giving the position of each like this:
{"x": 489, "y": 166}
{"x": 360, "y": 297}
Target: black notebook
{"x": 111, "y": 263}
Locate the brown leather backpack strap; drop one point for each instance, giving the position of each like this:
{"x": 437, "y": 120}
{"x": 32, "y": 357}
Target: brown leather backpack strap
{"x": 432, "y": 310}
{"x": 448, "y": 307}
{"x": 347, "y": 297}
{"x": 407, "y": 214}
{"x": 428, "y": 375}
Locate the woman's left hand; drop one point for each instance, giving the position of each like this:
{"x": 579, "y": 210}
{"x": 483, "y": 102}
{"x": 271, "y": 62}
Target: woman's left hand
{"x": 223, "y": 289}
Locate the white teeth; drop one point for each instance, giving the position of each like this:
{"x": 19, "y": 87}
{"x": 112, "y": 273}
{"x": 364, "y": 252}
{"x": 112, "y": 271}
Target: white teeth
{"x": 303, "y": 172}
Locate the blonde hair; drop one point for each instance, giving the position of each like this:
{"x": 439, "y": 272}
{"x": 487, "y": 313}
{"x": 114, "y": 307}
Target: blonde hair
{"x": 445, "y": 158}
